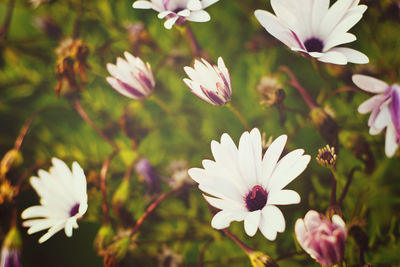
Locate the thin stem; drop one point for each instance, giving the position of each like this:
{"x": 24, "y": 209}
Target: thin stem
{"x": 78, "y": 19}
{"x": 26, "y": 174}
{"x": 340, "y": 90}
{"x": 103, "y": 186}
{"x": 238, "y": 115}
{"x": 7, "y": 19}
{"x": 295, "y": 83}
{"x": 161, "y": 104}
{"x": 246, "y": 249}
{"x": 203, "y": 250}
{"x": 89, "y": 121}
{"x": 23, "y": 131}
{"x": 152, "y": 206}
{"x": 348, "y": 182}
{"x": 194, "y": 45}
{"x": 333, "y": 190}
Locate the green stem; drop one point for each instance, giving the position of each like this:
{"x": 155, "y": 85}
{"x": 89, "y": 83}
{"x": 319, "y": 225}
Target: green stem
{"x": 238, "y": 115}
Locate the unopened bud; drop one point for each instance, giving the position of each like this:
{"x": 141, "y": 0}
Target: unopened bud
{"x": 104, "y": 238}
{"x": 11, "y": 249}
{"x": 260, "y": 259}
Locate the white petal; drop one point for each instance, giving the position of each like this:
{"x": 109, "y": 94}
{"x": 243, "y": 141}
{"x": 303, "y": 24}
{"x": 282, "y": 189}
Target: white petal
{"x": 275, "y": 216}
{"x": 142, "y": 5}
{"x": 371, "y": 103}
{"x": 247, "y": 162}
{"x": 224, "y": 218}
{"x": 283, "y": 197}
{"x": 275, "y": 28}
{"x": 68, "y": 226}
{"x": 56, "y": 228}
{"x": 338, "y": 221}
{"x": 251, "y": 222}
{"x": 184, "y": 13}
{"x": 301, "y": 233}
{"x": 339, "y": 39}
{"x": 383, "y": 118}
{"x": 271, "y": 157}
{"x": 352, "y": 55}
{"x": 199, "y": 16}
{"x": 207, "y": 3}
{"x": 334, "y": 15}
{"x": 170, "y": 22}
{"x": 287, "y": 169}
{"x": 369, "y": 84}
{"x": 266, "y": 228}
{"x": 334, "y": 58}
{"x": 163, "y": 14}
{"x": 390, "y": 143}
{"x": 225, "y": 204}
{"x": 194, "y": 5}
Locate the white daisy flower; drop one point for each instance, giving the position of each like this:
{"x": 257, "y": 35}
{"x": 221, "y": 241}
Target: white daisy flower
{"x": 384, "y": 108}
{"x": 63, "y": 200}
{"x": 247, "y": 186}
{"x": 314, "y": 29}
{"x": 210, "y": 83}
{"x": 177, "y": 11}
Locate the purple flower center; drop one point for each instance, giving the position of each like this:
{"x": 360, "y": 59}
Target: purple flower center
{"x": 314, "y": 45}
{"x": 327, "y": 156}
{"x": 74, "y": 210}
{"x": 176, "y": 10}
{"x": 256, "y": 198}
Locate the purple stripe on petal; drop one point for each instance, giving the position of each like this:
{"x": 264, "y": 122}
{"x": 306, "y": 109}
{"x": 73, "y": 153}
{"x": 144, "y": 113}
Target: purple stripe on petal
{"x": 143, "y": 79}
{"x": 136, "y": 93}
{"x": 298, "y": 40}
{"x": 395, "y": 112}
{"x": 212, "y": 96}
{"x": 165, "y": 3}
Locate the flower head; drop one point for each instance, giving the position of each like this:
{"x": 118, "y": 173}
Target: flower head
{"x": 178, "y": 170}
{"x": 210, "y": 83}
{"x": 384, "y": 108}
{"x": 314, "y": 29}
{"x": 63, "y": 200}
{"x": 322, "y": 239}
{"x": 326, "y": 156}
{"x": 131, "y": 77}
{"x": 246, "y": 185}
{"x": 177, "y": 11}
{"x": 270, "y": 90}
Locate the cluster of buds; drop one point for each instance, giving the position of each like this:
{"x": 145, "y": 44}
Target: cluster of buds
{"x": 71, "y": 62}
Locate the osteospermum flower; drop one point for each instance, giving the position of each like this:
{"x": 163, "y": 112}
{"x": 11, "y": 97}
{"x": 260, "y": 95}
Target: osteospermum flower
{"x": 322, "y": 239}
{"x": 384, "y": 108}
{"x": 63, "y": 200}
{"x": 314, "y": 29}
{"x": 131, "y": 77}
{"x": 177, "y": 11}
{"x": 245, "y": 185}
{"x": 210, "y": 83}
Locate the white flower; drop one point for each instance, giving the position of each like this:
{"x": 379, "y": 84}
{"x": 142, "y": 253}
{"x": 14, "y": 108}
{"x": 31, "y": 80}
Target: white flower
{"x": 209, "y": 82}
{"x": 384, "y": 108}
{"x": 247, "y": 186}
{"x": 314, "y": 29}
{"x": 177, "y": 11}
{"x": 131, "y": 77}
{"x": 63, "y": 200}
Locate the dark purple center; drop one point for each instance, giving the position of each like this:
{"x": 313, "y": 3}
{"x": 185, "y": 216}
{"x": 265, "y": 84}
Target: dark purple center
{"x": 74, "y": 210}
{"x": 176, "y": 10}
{"x": 327, "y": 156}
{"x": 256, "y": 198}
{"x": 314, "y": 45}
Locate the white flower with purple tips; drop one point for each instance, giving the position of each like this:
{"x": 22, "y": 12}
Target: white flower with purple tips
{"x": 247, "y": 186}
{"x": 177, "y": 11}
{"x": 314, "y": 29}
{"x": 210, "y": 83}
{"x": 131, "y": 77}
{"x": 384, "y": 108}
{"x": 63, "y": 200}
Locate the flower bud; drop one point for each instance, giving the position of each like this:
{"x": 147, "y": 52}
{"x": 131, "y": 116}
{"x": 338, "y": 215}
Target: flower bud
{"x": 148, "y": 174}
{"x": 326, "y": 125}
{"x": 120, "y": 200}
{"x": 210, "y": 83}
{"x": 270, "y": 91}
{"x": 103, "y": 238}
{"x": 131, "y": 77}
{"x": 323, "y": 239}
{"x": 11, "y": 249}
{"x": 11, "y": 158}
{"x": 260, "y": 259}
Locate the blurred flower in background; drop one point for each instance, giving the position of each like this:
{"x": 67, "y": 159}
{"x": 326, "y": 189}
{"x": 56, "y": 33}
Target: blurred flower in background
{"x": 384, "y": 108}
{"x": 178, "y": 169}
{"x": 210, "y": 83}
{"x": 314, "y": 29}
{"x": 63, "y": 200}
{"x": 322, "y": 239}
{"x": 131, "y": 77}
{"x": 169, "y": 258}
{"x": 248, "y": 187}
{"x": 177, "y": 11}
{"x": 11, "y": 249}
{"x": 148, "y": 174}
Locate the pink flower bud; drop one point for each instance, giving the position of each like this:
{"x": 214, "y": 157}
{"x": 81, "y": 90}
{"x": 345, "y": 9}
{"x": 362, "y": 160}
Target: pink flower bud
{"x": 322, "y": 239}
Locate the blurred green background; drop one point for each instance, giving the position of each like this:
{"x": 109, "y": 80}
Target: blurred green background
{"x": 27, "y": 85}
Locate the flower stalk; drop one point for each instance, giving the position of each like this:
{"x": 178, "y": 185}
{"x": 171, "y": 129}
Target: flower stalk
{"x": 103, "y": 186}
{"x": 238, "y": 115}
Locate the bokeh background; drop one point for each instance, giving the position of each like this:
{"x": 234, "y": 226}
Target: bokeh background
{"x": 182, "y": 222}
